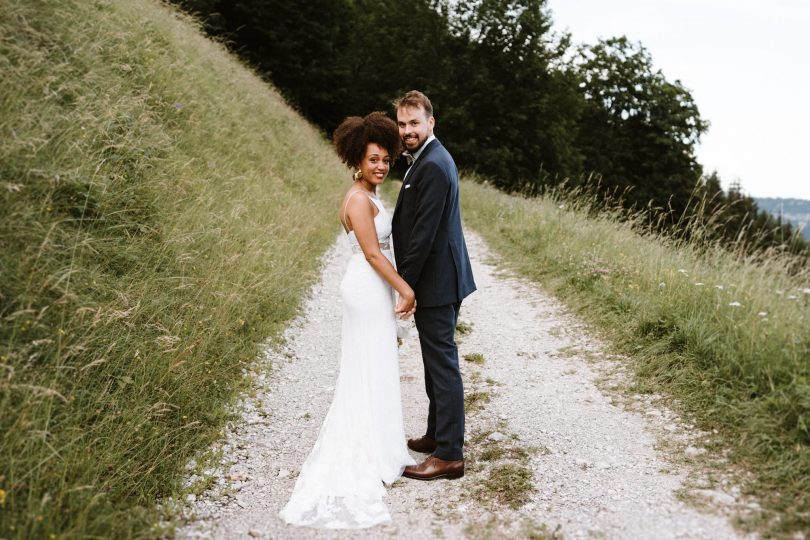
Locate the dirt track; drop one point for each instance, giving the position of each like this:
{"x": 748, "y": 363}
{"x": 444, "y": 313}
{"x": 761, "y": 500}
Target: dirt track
{"x": 601, "y": 463}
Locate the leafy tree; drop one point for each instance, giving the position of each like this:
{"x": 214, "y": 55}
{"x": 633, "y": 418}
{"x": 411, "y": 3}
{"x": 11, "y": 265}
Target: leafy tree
{"x": 638, "y": 130}
{"x": 511, "y": 101}
{"x": 518, "y": 112}
{"x": 300, "y": 46}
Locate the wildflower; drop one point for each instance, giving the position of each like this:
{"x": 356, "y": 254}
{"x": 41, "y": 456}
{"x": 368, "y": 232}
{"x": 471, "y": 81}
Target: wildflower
{"x": 763, "y": 313}
{"x": 806, "y": 291}
{"x": 682, "y": 271}
{"x": 2, "y": 497}
{"x": 698, "y": 284}
{"x": 718, "y": 287}
{"x": 561, "y": 207}
{"x": 662, "y": 285}
{"x": 734, "y": 304}
{"x": 792, "y": 297}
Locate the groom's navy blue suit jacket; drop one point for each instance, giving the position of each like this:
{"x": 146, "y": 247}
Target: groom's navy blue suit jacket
{"x": 428, "y": 241}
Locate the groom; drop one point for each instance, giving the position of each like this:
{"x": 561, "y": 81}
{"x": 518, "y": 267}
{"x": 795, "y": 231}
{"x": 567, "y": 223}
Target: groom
{"x": 432, "y": 257}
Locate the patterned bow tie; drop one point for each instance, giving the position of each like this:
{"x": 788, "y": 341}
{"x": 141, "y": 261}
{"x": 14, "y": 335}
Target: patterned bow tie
{"x": 408, "y": 157}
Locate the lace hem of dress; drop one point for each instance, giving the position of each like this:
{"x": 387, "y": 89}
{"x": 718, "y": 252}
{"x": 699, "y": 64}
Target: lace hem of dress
{"x": 341, "y": 512}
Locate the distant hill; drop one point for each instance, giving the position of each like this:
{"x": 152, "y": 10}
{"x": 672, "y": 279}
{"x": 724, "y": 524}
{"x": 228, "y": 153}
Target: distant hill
{"x": 797, "y": 211}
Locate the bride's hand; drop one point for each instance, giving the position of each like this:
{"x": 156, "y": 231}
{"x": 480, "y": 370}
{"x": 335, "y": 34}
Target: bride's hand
{"x": 407, "y": 314}
{"x": 406, "y": 305}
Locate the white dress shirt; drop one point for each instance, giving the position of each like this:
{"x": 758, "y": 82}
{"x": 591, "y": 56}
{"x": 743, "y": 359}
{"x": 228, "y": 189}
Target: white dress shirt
{"x": 417, "y": 154}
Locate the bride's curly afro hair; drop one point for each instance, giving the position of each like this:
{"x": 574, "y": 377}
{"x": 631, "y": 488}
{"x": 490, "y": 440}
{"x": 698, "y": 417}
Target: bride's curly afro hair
{"x": 354, "y": 134}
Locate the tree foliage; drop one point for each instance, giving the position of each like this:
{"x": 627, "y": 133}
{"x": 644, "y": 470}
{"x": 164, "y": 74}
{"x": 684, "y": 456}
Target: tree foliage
{"x": 514, "y": 101}
{"x": 638, "y": 130}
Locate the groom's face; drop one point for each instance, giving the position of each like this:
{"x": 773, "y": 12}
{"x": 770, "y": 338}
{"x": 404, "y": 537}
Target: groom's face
{"x": 415, "y": 126}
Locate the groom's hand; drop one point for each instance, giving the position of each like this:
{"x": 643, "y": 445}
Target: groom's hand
{"x": 408, "y": 313}
{"x": 405, "y": 307}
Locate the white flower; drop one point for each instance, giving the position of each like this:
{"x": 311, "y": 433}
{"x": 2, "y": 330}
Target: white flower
{"x": 763, "y": 313}
{"x": 561, "y": 207}
{"x": 734, "y": 304}
{"x": 806, "y": 291}
{"x": 719, "y": 287}
{"x": 792, "y": 297}
{"x": 662, "y": 285}
{"x": 682, "y": 271}
{"x": 698, "y": 284}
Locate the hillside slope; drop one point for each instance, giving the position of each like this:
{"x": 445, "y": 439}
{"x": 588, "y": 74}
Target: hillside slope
{"x": 723, "y": 335}
{"x": 161, "y": 212}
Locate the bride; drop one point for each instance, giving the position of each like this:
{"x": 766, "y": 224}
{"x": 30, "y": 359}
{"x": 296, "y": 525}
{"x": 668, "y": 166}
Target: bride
{"x": 361, "y": 444}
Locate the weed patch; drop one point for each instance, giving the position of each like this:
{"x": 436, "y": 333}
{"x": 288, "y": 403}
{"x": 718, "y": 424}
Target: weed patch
{"x": 475, "y": 401}
{"x": 463, "y": 328}
{"x": 725, "y": 334}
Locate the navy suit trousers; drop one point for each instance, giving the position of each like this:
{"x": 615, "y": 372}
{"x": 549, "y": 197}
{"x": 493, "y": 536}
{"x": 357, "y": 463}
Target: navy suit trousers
{"x": 445, "y": 390}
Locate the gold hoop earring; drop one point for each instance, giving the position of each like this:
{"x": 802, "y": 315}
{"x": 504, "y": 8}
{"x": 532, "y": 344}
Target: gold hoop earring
{"x": 358, "y": 174}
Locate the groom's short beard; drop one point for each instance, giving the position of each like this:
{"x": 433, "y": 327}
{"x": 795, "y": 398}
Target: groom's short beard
{"x": 416, "y": 148}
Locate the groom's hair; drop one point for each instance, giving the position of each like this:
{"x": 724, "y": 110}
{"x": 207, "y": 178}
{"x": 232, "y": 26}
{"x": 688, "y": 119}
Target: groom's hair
{"x": 414, "y": 98}
{"x": 354, "y": 134}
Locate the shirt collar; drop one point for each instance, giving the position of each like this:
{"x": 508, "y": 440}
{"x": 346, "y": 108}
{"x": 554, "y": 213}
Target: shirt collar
{"x": 421, "y": 148}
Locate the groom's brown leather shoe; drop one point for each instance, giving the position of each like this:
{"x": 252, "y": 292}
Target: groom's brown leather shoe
{"x": 424, "y": 444}
{"x": 433, "y": 468}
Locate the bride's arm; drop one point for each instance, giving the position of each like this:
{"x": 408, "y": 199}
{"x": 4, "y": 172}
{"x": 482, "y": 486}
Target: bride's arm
{"x": 360, "y": 213}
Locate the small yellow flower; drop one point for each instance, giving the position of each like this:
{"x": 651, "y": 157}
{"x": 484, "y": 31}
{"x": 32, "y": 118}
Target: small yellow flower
{"x": 2, "y": 497}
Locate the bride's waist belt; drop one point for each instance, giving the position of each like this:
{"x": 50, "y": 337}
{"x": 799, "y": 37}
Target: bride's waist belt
{"x": 383, "y": 246}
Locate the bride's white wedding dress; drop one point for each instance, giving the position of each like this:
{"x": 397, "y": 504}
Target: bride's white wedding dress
{"x": 362, "y": 440}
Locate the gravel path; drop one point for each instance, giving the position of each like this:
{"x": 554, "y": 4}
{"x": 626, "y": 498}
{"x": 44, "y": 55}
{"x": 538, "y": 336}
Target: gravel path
{"x": 547, "y": 410}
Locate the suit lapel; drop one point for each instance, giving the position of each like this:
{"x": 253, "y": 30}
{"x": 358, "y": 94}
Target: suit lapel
{"x": 409, "y": 174}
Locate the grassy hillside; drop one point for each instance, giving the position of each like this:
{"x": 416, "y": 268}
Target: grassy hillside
{"x": 728, "y": 337}
{"x": 161, "y": 212}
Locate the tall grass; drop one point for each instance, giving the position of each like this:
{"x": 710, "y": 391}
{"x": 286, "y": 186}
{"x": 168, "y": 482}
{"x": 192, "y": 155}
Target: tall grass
{"x": 726, "y": 334}
{"x": 161, "y": 213}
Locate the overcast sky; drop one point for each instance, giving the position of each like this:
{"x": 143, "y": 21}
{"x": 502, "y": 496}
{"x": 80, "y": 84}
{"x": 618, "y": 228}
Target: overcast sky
{"x": 747, "y": 65}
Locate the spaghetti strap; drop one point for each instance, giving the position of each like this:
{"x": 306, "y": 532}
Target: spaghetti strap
{"x": 346, "y": 207}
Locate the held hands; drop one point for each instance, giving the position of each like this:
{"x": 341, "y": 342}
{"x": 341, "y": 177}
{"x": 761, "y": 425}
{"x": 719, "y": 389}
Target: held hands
{"x": 406, "y": 305}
